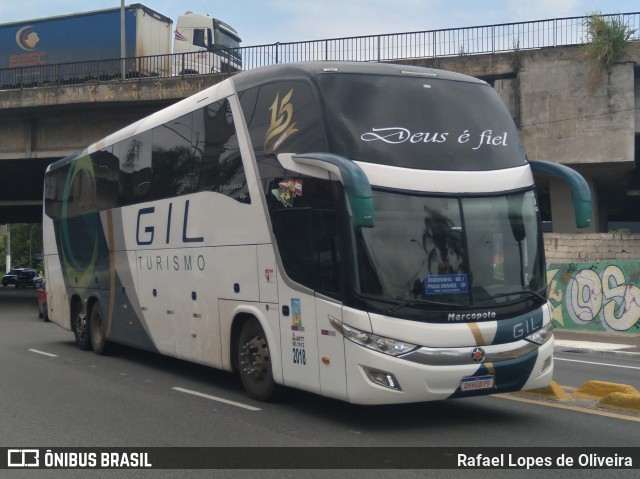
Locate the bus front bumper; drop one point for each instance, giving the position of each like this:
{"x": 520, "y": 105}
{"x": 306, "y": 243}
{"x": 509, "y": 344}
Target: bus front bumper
{"x": 444, "y": 373}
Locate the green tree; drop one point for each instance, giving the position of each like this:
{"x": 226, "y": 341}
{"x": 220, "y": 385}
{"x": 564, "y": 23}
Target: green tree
{"x": 26, "y": 246}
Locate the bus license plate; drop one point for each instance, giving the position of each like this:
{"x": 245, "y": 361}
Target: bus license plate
{"x": 473, "y": 383}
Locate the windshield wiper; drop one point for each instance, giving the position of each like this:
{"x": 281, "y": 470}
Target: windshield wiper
{"x": 535, "y": 295}
{"x": 418, "y": 301}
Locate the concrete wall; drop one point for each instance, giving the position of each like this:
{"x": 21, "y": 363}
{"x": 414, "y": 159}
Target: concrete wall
{"x": 565, "y": 119}
{"x": 580, "y": 248}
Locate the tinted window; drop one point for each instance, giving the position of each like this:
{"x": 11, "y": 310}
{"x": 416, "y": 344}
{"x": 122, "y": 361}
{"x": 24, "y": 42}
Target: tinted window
{"x": 417, "y": 122}
{"x": 198, "y": 38}
{"x": 70, "y": 189}
{"x": 54, "y": 190}
{"x": 175, "y": 169}
{"x": 106, "y": 167}
{"x": 197, "y": 152}
{"x": 134, "y": 159}
{"x": 217, "y": 151}
{"x": 282, "y": 117}
{"x": 305, "y": 219}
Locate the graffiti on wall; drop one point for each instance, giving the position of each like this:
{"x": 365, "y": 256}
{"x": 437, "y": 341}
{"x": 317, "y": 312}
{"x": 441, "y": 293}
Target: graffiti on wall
{"x": 595, "y": 296}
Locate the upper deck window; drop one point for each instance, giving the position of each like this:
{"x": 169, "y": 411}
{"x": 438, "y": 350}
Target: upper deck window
{"x": 419, "y": 122}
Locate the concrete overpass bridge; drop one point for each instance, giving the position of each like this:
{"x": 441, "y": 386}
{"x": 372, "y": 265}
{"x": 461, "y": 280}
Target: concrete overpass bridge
{"x": 544, "y": 81}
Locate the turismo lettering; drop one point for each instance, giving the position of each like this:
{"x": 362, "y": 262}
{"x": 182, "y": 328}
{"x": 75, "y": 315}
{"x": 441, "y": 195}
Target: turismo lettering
{"x": 171, "y": 263}
{"x": 148, "y": 222}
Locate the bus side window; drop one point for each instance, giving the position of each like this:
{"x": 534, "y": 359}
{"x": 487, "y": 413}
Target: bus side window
{"x": 217, "y": 150}
{"x": 174, "y": 170}
{"x": 134, "y": 157}
{"x": 306, "y": 231}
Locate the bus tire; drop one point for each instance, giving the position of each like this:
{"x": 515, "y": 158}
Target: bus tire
{"x": 254, "y": 362}
{"x": 97, "y": 330}
{"x": 80, "y": 327}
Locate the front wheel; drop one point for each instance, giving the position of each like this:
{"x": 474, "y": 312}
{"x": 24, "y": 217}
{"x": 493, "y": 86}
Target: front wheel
{"x": 254, "y": 362}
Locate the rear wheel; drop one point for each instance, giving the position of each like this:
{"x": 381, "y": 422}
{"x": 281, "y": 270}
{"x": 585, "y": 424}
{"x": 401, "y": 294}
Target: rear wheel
{"x": 254, "y": 362}
{"x": 80, "y": 327}
{"x": 97, "y": 330}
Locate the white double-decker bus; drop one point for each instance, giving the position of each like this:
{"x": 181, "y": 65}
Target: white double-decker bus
{"x": 367, "y": 232}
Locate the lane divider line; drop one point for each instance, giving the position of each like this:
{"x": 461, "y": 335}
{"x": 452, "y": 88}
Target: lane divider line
{"x": 43, "y": 353}
{"x": 567, "y": 407}
{"x": 597, "y": 364}
{"x": 215, "y": 398}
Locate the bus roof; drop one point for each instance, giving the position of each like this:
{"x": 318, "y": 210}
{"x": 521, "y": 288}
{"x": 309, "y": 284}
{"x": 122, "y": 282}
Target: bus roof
{"x": 284, "y": 71}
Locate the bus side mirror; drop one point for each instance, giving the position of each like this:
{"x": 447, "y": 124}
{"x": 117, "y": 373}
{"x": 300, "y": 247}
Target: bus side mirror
{"x": 580, "y": 192}
{"x": 355, "y": 181}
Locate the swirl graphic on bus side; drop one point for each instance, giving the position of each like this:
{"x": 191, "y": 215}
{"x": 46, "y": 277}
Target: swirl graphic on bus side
{"x": 78, "y": 270}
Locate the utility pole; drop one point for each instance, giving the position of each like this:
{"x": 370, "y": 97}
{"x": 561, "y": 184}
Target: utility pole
{"x": 7, "y": 265}
{"x": 123, "y": 51}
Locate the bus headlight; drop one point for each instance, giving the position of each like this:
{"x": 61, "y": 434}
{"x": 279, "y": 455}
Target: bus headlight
{"x": 542, "y": 335}
{"x": 392, "y": 347}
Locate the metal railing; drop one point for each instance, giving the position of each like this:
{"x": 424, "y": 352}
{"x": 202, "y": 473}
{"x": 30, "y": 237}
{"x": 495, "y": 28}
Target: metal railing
{"x": 373, "y": 48}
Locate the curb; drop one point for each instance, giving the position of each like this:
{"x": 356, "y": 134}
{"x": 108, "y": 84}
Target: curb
{"x": 601, "y": 389}
{"x": 621, "y": 402}
{"x": 620, "y": 397}
{"x": 552, "y": 391}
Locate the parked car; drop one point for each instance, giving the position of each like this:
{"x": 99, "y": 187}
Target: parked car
{"x": 43, "y": 312}
{"x": 27, "y": 278}
{"x": 11, "y": 276}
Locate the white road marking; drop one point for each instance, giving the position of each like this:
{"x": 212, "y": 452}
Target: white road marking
{"x": 590, "y": 345}
{"x": 214, "y": 398}
{"x": 598, "y": 364}
{"x": 43, "y": 353}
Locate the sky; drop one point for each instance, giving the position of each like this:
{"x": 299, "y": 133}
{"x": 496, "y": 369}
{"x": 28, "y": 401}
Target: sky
{"x": 261, "y": 22}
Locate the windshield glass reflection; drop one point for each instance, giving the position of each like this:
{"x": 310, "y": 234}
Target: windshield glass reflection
{"x": 458, "y": 252}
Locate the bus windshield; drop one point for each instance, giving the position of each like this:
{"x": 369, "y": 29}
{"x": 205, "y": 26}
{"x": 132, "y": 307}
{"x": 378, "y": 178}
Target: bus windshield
{"x": 460, "y": 252}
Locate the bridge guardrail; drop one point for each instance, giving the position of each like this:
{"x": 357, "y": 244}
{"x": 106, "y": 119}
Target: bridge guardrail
{"x": 373, "y": 48}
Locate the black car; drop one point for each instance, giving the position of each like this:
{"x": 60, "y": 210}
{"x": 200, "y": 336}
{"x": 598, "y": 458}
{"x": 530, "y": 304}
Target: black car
{"x": 27, "y": 278}
{"x": 11, "y": 276}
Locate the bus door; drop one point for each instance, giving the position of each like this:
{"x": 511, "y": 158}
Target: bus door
{"x": 333, "y": 380}
{"x": 305, "y": 222}
{"x": 312, "y": 350}
{"x": 298, "y": 338}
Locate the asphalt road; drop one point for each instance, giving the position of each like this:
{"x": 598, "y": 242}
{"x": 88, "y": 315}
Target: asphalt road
{"x": 54, "y": 395}
{"x": 574, "y": 369}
